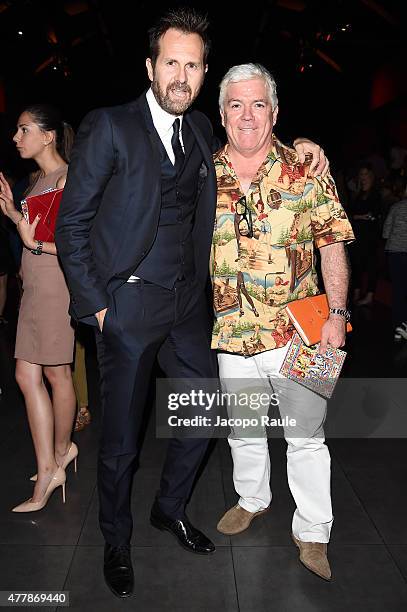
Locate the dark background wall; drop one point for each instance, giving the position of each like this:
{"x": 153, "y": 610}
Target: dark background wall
{"x": 339, "y": 65}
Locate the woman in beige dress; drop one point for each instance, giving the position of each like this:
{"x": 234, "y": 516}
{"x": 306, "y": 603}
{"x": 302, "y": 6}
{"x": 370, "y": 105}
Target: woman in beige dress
{"x": 45, "y": 338}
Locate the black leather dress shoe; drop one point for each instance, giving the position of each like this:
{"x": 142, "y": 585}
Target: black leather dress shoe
{"x": 118, "y": 570}
{"x": 187, "y": 535}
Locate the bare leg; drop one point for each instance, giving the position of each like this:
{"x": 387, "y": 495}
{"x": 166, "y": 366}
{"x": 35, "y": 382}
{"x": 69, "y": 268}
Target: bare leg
{"x": 41, "y": 420}
{"x": 64, "y": 407}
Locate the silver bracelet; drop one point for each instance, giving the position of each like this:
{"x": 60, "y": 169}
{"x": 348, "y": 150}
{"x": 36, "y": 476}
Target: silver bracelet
{"x": 38, "y": 250}
{"x": 342, "y": 312}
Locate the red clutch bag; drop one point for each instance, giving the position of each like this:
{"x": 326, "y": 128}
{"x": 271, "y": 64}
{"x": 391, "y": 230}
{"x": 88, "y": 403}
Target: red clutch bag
{"x": 47, "y": 205}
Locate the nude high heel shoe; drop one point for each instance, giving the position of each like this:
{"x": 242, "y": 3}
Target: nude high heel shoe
{"x": 71, "y": 455}
{"x": 58, "y": 480}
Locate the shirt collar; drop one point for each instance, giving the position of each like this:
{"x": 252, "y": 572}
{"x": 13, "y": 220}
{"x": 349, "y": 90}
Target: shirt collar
{"x": 275, "y": 152}
{"x": 162, "y": 120}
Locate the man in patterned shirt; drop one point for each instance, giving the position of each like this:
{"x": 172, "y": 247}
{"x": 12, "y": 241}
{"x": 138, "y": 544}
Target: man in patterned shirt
{"x": 271, "y": 212}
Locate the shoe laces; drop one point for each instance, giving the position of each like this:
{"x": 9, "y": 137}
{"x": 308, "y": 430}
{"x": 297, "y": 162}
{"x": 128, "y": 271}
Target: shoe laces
{"x": 121, "y": 554}
{"x": 123, "y": 550}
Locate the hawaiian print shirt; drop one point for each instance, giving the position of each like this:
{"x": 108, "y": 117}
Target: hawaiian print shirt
{"x": 263, "y": 247}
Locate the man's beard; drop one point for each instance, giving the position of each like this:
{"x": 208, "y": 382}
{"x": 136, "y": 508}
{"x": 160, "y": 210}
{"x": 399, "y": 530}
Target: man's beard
{"x": 174, "y": 107}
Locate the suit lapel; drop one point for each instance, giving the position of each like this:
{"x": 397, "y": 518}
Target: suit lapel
{"x": 206, "y": 153}
{"x": 190, "y": 133}
{"x": 152, "y": 134}
{"x": 188, "y": 139}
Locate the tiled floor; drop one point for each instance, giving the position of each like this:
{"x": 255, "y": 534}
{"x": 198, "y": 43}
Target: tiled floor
{"x": 60, "y": 547}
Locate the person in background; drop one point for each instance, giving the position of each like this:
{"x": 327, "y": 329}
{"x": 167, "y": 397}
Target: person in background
{"x": 45, "y": 338}
{"x": 397, "y": 156}
{"x": 7, "y": 265}
{"x": 366, "y": 215}
{"x": 391, "y": 190}
{"x": 395, "y": 233}
{"x": 6, "y": 268}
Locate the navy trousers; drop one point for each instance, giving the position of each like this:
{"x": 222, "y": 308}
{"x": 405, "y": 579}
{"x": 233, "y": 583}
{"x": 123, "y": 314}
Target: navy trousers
{"x": 144, "y": 322}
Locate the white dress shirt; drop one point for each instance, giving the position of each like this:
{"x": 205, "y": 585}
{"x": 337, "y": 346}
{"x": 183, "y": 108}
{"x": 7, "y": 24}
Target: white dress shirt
{"x": 163, "y": 123}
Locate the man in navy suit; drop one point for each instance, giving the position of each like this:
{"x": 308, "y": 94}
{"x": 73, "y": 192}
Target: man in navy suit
{"x": 134, "y": 234}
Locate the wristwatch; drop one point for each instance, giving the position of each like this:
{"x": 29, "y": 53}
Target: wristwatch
{"x": 38, "y": 250}
{"x": 342, "y": 312}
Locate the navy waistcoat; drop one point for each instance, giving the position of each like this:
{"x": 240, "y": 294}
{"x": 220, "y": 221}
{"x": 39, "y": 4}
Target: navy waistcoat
{"x": 171, "y": 256}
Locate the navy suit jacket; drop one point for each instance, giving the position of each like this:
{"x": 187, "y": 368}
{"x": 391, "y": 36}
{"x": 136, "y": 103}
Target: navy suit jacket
{"x": 111, "y": 203}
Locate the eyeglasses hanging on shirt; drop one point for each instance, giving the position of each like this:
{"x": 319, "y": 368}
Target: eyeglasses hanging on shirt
{"x": 245, "y": 223}
{"x": 177, "y": 148}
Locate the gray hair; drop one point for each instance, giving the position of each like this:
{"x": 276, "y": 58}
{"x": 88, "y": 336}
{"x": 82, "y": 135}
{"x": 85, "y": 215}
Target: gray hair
{"x": 247, "y": 72}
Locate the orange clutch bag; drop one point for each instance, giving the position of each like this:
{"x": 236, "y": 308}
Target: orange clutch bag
{"x": 47, "y": 205}
{"x": 308, "y": 316}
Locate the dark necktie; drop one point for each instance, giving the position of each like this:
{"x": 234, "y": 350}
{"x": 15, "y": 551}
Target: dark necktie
{"x": 177, "y": 148}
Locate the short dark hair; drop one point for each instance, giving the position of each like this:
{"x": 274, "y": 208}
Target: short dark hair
{"x": 185, "y": 19}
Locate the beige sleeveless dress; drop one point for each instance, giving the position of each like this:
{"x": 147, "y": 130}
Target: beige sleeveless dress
{"x": 44, "y": 332}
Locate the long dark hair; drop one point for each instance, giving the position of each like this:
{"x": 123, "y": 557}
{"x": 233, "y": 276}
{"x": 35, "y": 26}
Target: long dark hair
{"x": 49, "y": 118}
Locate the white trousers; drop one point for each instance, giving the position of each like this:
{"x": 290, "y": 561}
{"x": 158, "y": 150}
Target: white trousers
{"x": 308, "y": 459}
